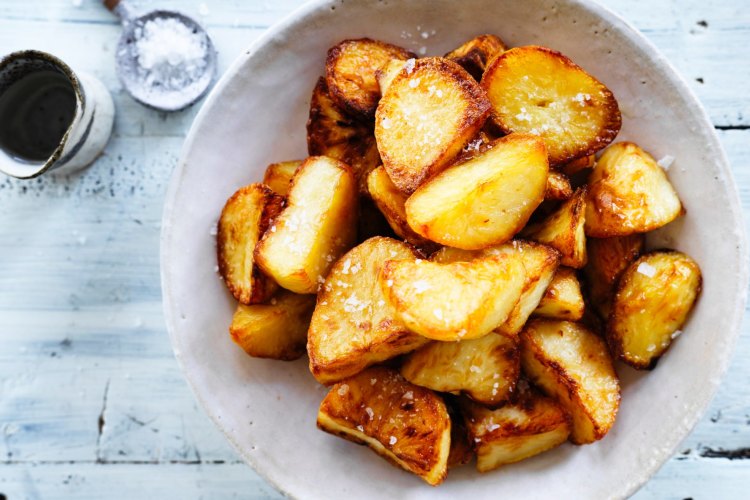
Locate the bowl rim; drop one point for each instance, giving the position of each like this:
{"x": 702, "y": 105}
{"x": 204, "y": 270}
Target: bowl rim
{"x": 628, "y": 30}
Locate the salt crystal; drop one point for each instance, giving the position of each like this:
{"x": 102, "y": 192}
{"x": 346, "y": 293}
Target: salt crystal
{"x": 347, "y": 265}
{"x": 474, "y": 369}
{"x": 273, "y": 228}
{"x": 389, "y": 283}
{"x": 425, "y": 35}
{"x": 413, "y": 84}
{"x": 360, "y": 428}
{"x": 392, "y": 440}
{"x": 665, "y": 162}
{"x": 422, "y": 50}
{"x": 676, "y": 334}
{"x": 408, "y": 395}
{"x": 438, "y": 313}
{"x": 370, "y": 413}
{"x": 409, "y": 66}
{"x": 493, "y": 427}
{"x": 343, "y": 389}
{"x": 421, "y": 286}
{"x": 651, "y": 348}
{"x": 439, "y": 93}
{"x": 646, "y": 269}
{"x": 373, "y": 380}
{"x": 385, "y": 123}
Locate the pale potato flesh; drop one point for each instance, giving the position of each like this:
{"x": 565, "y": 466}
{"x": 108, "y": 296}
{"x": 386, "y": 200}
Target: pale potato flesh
{"x": 353, "y": 325}
{"x": 573, "y": 365}
{"x": 406, "y": 424}
{"x": 317, "y": 226}
{"x": 629, "y": 193}
{"x": 460, "y": 300}
{"x": 278, "y": 176}
{"x": 655, "y": 295}
{"x": 485, "y": 200}
{"x": 276, "y": 330}
{"x": 563, "y": 298}
{"x": 485, "y": 369}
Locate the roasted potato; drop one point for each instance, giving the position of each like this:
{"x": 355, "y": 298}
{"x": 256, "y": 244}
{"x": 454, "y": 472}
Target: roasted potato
{"x": 278, "y": 176}
{"x": 563, "y": 298}
{"x": 654, "y": 297}
{"x": 431, "y": 110}
{"x": 485, "y": 369}
{"x": 406, "y": 424}
{"x": 350, "y": 73}
{"x": 318, "y": 224}
{"x": 485, "y": 200}
{"x": 536, "y": 90}
{"x": 333, "y": 133}
{"x": 388, "y": 71}
{"x": 527, "y": 426}
{"x": 353, "y": 325}
{"x": 563, "y": 230}
{"x": 558, "y": 187}
{"x": 391, "y": 202}
{"x": 573, "y": 365}
{"x": 607, "y": 260}
{"x": 277, "y": 330}
{"x": 475, "y": 54}
{"x": 460, "y": 300}
{"x": 578, "y": 165}
{"x": 246, "y": 215}
{"x": 629, "y": 193}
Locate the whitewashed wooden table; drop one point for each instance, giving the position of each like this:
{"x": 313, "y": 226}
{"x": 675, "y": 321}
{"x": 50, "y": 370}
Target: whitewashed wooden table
{"x": 92, "y": 402}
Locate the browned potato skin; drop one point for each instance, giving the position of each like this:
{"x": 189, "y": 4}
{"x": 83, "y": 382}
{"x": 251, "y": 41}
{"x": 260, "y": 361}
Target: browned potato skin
{"x": 657, "y": 303}
{"x": 245, "y": 217}
{"x": 333, "y": 133}
{"x": 399, "y": 153}
{"x": 522, "y": 60}
{"x": 475, "y": 54}
{"x": 563, "y": 230}
{"x": 607, "y": 260}
{"x": 578, "y": 165}
{"x": 277, "y": 330}
{"x": 406, "y": 424}
{"x": 558, "y": 187}
{"x": 563, "y": 298}
{"x": 278, "y": 176}
{"x": 350, "y": 73}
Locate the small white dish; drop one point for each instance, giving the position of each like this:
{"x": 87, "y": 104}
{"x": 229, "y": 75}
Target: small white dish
{"x": 256, "y": 115}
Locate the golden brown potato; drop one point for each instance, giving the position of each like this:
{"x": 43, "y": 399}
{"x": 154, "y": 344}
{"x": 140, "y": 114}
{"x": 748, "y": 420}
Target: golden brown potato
{"x": 655, "y": 295}
{"x": 563, "y": 298}
{"x": 333, "y": 133}
{"x": 277, "y": 330}
{"x": 518, "y": 430}
{"x": 485, "y": 200}
{"x": 475, "y": 54}
{"x": 350, "y": 73}
{"x": 245, "y": 217}
{"x": 318, "y": 224}
{"x": 353, "y": 325}
{"x": 460, "y": 300}
{"x": 539, "y": 91}
{"x": 431, "y": 110}
{"x": 629, "y": 193}
{"x": 406, "y": 424}
{"x": 563, "y": 230}
{"x": 485, "y": 369}
{"x": 578, "y": 165}
{"x": 278, "y": 176}
{"x": 558, "y": 187}
{"x": 573, "y": 365}
{"x": 607, "y": 260}
{"x": 387, "y": 72}
{"x": 391, "y": 202}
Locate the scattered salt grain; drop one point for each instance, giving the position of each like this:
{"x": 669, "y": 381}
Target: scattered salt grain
{"x": 347, "y": 265}
{"x": 651, "y": 348}
{"x": 425, "y": 35}
{"x": 646, "y": 269}
{"x": 523, "y": 115}
{"x": 676, "y": 334}
{"x": 422, "y": 50}
{"x": 343, "y": 389}
{"x": 373, "y": 380}
{"x": 474, "y": 369}
{"x": 273, "y": 228}
{"x": 421, "y": 286}
{"x": 581, "y": 98}
{"x": 493, "y": 427}
{"x": 409, "y": 66}
{"x": 392, "y": 440}
{"x": 370, "y": 413}
{"x": 665, "y": 162}
{"x": 385, "y": 123}
{"x": 438, "y": 313}
{"x": 360, "y": 428}
{"x": 408, "y": 395}
{"x": 414, "y": 83}
{"x": 389, "y": 283}
{"x": 214, "y": 230}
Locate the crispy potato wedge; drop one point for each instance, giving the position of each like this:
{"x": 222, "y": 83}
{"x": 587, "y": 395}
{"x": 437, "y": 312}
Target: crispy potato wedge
{"x": 331, "y": 132}
{"x": 564, "y": 230}
{"x": 474, "y": 55}
{"x": 353, "y": 325}
{"x": 350, "y": 73}
{"x": 578, "y": 165}
{"x": 573, "y": 365}
{"x": 388, "y": 71}
{"x": 406, "y": 424}
{"x": 528, "y": 426}
{"x": 318, "y": 224}
{"x": 629, "y": 193}
{"x": 485, "y": 200}
{"x": 246, "y": 215}
{"x": 278, "y": 176}
{"x": 460, "y": 300}
{"x": 563, "y": 298}
{"x": 558, "y": 187}
{"x": 431, "y": 110}
{"x": 539, "y": 91}
{"x": 485, "y": 369}
{"x": 391, "y": 202}
{"x": 654, "y": 297}
{"x": 607, "y": 260}
{"x": 277, "y": 330}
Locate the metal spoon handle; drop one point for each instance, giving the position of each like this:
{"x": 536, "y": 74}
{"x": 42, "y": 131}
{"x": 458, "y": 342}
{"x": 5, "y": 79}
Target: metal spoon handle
{"x": 121, "y": 9}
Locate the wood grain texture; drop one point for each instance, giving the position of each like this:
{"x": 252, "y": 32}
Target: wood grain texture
{"x": 92, "y": 402}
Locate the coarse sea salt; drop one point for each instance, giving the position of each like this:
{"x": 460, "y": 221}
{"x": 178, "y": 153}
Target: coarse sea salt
{"x": 665, "y": 162}
{"x": 646, "y": 269}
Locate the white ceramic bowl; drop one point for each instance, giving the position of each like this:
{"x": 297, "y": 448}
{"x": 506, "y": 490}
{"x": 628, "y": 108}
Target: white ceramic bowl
{"x": 256, "y": 115}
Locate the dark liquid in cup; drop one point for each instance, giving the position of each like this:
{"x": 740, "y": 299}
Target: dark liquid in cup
{"x": 37, "y": 111}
